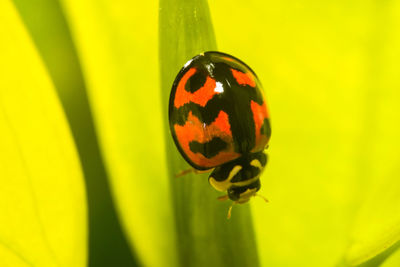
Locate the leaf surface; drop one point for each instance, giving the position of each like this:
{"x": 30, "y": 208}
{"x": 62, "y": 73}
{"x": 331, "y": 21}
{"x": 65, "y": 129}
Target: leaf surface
{"x": 205, "y": 236}
{"x": 50, "y": 33}
{"x": 117, "y": 45}
{"x": 42, "y": 198}
{"x": 330, "y": 74}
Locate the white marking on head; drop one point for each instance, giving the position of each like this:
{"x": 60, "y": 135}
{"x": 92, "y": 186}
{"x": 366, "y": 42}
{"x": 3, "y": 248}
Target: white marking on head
{"x": 234, "y": 171}
{"x": 245, "y": 196}
{"x": 256, "y": 163}
{"x": 226, "y": 183}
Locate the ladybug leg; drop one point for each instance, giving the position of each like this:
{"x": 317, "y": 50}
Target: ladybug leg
{"x": 230, "y": 210}
{"x": 228, "y": 216}
{"x": 184, "y": 172}
{"x": 191, "y": 170}
{"x": 223, "y": 198}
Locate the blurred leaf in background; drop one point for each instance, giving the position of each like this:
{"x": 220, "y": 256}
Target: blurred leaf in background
{"x": 393, "y": 260}
{"x": 47, "y": 26}
{"x": 330, "y": 71}
{"x": 117, "y": 45}
{"x": 42, "y": 198}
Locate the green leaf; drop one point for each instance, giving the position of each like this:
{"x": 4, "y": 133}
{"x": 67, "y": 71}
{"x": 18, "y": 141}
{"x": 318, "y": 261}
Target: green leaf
{"x": 330, "y": 73}
{"x": 393, "y": 260}
{"x": 42, "y": 198}
{"x": 49, "y": 30}
{"x": 117, "y": 45}
{"x": 205, "y": 236}
{"x": 309, "y": 179}
{"x": 376, "y": 230}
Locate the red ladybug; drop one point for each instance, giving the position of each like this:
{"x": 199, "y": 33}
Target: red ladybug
{"x": 219, "y": 121}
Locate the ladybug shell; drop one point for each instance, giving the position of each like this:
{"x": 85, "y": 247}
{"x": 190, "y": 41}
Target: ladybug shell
{"x": 217, "y": 111}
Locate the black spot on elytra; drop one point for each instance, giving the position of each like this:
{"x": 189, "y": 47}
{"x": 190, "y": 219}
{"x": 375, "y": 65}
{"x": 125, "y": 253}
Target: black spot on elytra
{"x": 208, "y": 149}
{"x": 196, "y": 81}
{"x": 235, "y": 101}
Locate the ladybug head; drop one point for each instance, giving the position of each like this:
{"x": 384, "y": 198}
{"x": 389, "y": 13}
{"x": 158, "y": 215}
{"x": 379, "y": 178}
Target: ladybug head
{"x": 240, "y": 177}
{"x": 242, "y": 194}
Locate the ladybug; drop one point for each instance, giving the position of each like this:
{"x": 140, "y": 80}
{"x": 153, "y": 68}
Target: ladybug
{"x": 219, "y": 121}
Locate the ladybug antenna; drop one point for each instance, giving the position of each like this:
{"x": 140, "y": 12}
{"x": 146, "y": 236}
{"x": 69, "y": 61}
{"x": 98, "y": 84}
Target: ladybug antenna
{"x": 264, "y": 198}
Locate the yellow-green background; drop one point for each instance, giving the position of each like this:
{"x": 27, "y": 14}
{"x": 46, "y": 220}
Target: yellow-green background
{"x": 87, "y": 163}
